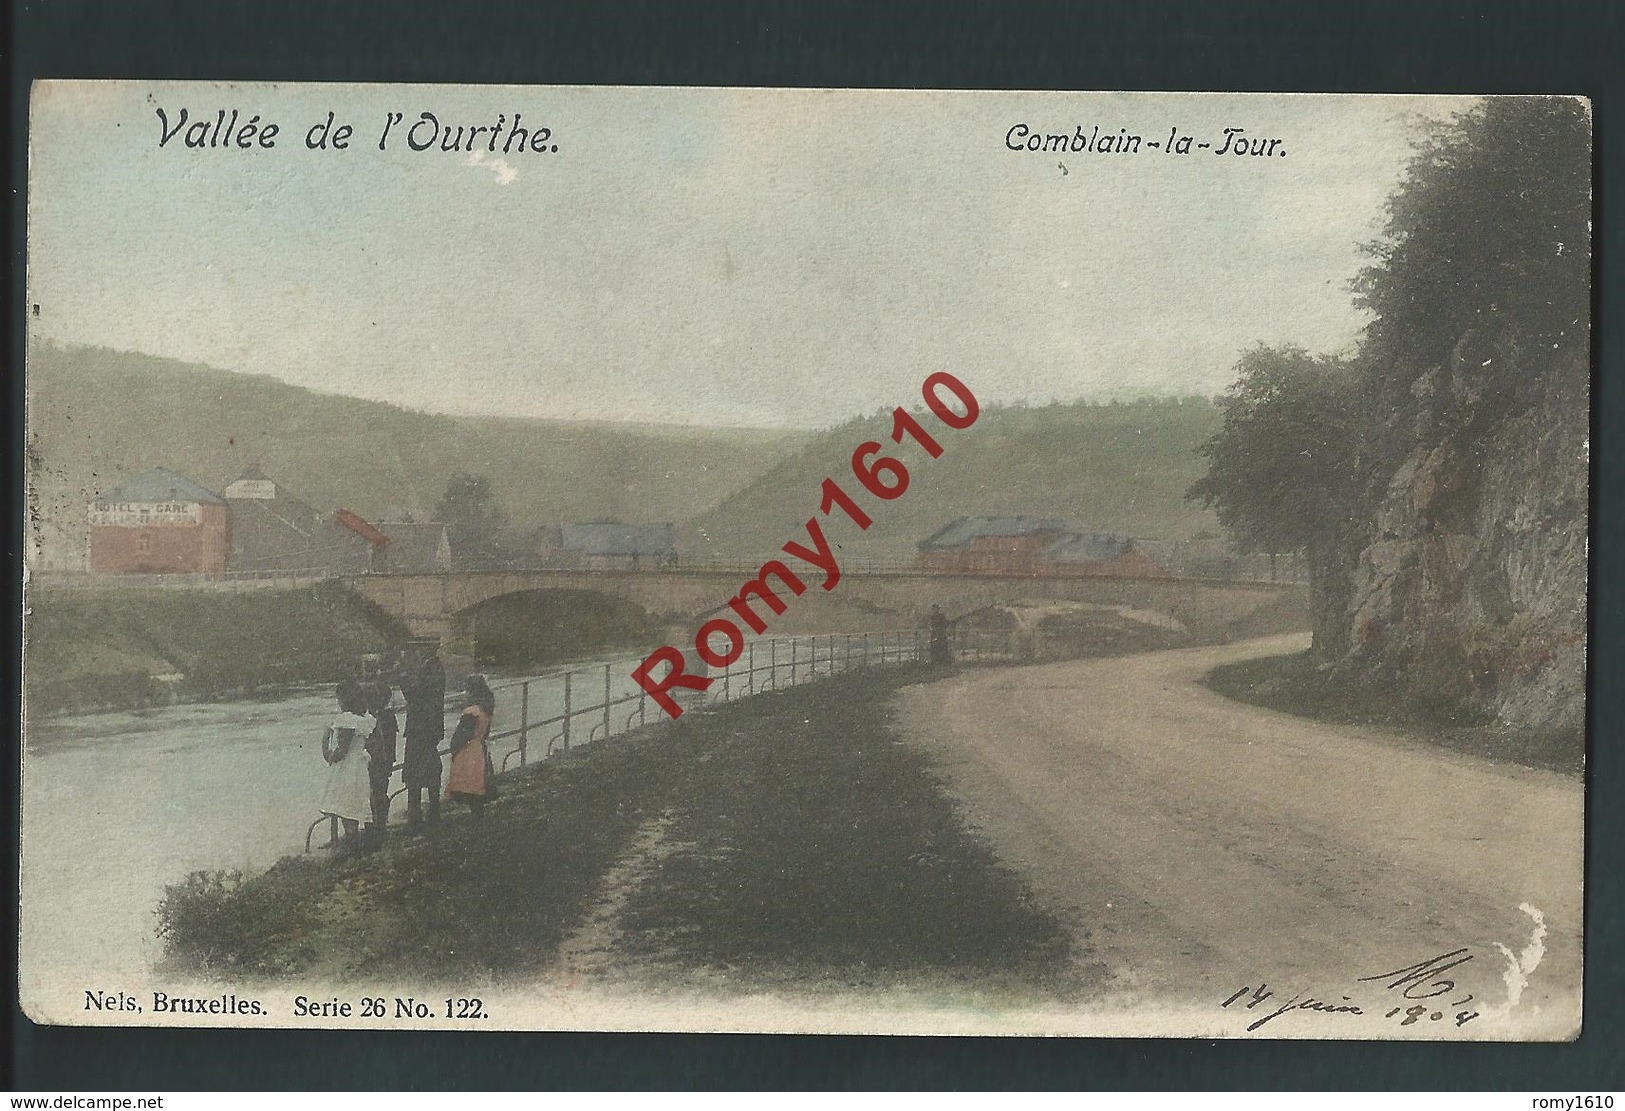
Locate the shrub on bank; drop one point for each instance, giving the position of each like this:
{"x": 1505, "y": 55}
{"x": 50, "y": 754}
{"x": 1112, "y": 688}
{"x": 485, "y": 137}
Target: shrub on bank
{"x": 1299, "y": 685}
{"x": 122, "y": 690}
{"x": 218, "y": 920}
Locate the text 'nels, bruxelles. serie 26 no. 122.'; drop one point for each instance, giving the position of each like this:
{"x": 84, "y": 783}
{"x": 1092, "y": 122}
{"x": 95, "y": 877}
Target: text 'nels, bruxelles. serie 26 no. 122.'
{"x": 883, "y": 476}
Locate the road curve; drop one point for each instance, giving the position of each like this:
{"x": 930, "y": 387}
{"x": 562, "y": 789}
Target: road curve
{"x": 1198, "y": 845}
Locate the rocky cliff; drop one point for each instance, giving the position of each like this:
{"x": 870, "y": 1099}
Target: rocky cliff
{"x": 1468, "y": 591}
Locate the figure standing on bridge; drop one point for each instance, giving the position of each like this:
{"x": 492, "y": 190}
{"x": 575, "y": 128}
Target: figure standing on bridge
{"x": 423, "y": 683}
{"x": 941, "y": 654}
{"x": 471, "y": 773}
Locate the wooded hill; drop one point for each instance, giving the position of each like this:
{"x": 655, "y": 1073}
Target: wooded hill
{"x": 98, "y": 416}
{"x": 1114, "y": 467}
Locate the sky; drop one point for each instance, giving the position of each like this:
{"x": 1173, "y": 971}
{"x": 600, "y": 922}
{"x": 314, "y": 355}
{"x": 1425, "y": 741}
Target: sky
{"x": 767, "y": 258}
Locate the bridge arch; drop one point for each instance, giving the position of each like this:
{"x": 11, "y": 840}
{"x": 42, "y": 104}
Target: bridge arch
{"x": 430, "y": 604}
{"x": 542, "y": 625}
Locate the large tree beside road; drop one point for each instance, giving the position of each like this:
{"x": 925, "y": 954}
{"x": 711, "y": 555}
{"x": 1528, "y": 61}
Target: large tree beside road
{"x": 1284, "y": 469}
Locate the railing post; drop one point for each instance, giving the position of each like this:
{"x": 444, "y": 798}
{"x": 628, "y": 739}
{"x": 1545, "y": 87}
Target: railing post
{"x": 866, "y": 651}
{"x": 606, "y": 702}
{"x": 524, "y": 720}
{"x": 567, "y": 711}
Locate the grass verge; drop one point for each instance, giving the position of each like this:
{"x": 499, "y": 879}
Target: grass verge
{"x": 813, "y": 845}
{"x": 493, "y": 895}
{"x": 802, "y": 844}
{"x": 1295, "y": 685}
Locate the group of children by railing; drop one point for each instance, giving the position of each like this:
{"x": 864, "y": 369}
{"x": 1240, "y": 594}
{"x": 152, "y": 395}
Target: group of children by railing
{"x": 361, "y": 746}
{"x": 362, "y": 742}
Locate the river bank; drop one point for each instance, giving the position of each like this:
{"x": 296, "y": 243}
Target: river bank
{"x": 129, "y": 649}
{"x": 120, "y": 649}
{"x": 783, "y": 839}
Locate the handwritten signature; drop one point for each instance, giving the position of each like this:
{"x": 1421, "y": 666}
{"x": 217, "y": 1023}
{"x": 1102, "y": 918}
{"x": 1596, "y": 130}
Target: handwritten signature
{"x": 1423, "y": 981}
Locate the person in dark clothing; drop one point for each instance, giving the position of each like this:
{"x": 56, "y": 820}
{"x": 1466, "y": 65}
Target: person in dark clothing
{"x": 941, "y": 653}
{"x": 423, "y": 683}
{"x": 471, "y": 773}
{"x": 381, "y": 753}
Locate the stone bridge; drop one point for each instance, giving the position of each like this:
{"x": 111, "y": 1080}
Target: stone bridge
{"x": 441, "y": 604}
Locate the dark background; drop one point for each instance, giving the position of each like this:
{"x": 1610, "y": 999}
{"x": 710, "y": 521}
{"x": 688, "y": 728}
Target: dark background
{"x": 1413, "y": 46}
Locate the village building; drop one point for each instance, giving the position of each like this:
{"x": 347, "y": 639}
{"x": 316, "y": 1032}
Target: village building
{"x": 1103, "y": 553}
{"x": 161, "y": 523}
{"x": 416, "y": 547}
{"x": 612, "y": 546}
{"x": 995, "y": 545}
{"x": 274, "y": 531}
{"x": 1032, "y": 546}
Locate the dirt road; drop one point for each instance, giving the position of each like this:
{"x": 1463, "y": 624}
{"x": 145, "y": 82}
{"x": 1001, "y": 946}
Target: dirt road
{"x": 1199, "y": 846}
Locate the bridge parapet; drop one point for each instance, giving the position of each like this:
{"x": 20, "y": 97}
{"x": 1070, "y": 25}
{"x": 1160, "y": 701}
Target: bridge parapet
{"x": 435, "y": 604}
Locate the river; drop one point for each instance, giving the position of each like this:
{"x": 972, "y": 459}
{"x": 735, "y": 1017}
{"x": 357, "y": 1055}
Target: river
{"x": 116, "y": 805}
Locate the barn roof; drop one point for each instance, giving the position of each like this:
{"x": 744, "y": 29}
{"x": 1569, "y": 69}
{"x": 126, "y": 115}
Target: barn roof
{"x": 961, "y": 531}
{"x": 160, "y": 485}
{"x": 615, "y": 539}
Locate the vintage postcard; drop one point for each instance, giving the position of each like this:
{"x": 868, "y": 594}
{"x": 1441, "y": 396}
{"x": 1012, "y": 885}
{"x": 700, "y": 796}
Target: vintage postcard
{"x": 806, "y": 560}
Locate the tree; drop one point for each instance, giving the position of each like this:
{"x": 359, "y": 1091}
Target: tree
{"x": 1284, "y": 469}
{"x": 1483, "y": 269}
{"x": 1281, "y": 469}
{"x": 472, "y": 516}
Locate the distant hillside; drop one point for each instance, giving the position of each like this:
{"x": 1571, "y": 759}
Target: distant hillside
{"x": 1120, "y": 467}
{"x": 98, "y": 416}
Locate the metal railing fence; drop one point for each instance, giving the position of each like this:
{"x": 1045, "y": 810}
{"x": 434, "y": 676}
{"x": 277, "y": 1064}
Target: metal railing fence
{"x": 583, "y": 705}
{"x": 570, "y": 708}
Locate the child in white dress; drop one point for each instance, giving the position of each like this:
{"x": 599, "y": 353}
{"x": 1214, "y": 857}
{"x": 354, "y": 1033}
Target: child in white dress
{"x": 348, "y": 793}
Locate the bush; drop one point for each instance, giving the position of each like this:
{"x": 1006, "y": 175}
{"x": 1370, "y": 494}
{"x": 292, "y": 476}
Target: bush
{"x": 218, "y": 920}
{"x": 119, "y": 690}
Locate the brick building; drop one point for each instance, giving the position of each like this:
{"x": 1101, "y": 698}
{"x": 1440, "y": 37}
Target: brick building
{"x": 1033, "y": 546}
{"x": 159, "y": 522}
{"x": 1103, "y": 553}
{"x": 994, "y": 545}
